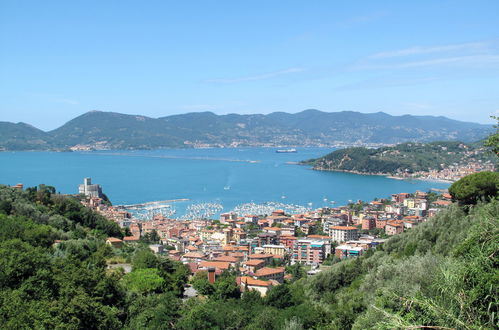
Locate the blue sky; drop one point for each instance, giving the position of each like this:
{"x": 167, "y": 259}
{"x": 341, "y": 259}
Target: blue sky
{"x": 59, "y": 59}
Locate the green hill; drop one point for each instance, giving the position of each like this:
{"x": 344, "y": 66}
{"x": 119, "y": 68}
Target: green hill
{"x": 110, "y": 130}
{"x": 22, "y": 136}
{"x": 402, "y": 158}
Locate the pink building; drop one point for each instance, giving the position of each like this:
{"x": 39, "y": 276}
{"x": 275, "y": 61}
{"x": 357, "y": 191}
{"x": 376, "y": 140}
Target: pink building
{"x": 309, "y": 251}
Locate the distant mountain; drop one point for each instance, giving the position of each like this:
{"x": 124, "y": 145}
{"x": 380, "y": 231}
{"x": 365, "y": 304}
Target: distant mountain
{"x": 22, "y": 136}
{"x": 111, "y": 130}
{"x": 108, "y": 130}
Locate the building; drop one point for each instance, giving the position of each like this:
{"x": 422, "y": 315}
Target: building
{"x": 114, "y": 242}
{"x": 266, "y": 273}
{"x": 394, "y": 227}
{"x": 90, "y": 190}
{"x": 247, "y": 283}
{"x": 279, "y": 250}
{"x": 368, "y": 223}
{"x": 309, "y": 251}
{"x": 343, "y": 233}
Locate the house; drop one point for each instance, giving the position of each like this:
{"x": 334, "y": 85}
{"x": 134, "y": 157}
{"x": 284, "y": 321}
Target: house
{"x": 193, "y": 256}
{"x": 267, "y": 258}
{"x": 267, "y": 273}
{"x": 231, "y": 260}
{"x": 218, "y": 265}
{"x": 394, "y": 227}
{"x": 131, "y": 239}
{"x": 247, "y": 283}
{"x": 157, "y": 248}
{"x": 253, "y": 265}
{"x": 114, "y": 242}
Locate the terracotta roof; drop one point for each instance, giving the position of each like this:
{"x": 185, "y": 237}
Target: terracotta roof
{"x": 131, "y": 238}
{"x": 260, "y": 256}
{"x": 215, "y": 264}
{"x": 251, "y": 281}
{"x": 254, "y": 262}
{"x": 318, "y": 236}
{"x": 114, "y": 239}
{"x": 443, "y": 203}
{"x": 269, "y": 271}
{"x": 193, "y": 255}
{"x": 272, "y": 228}
{"x": 226, "y": 258}
{"x": 343, "y": 228}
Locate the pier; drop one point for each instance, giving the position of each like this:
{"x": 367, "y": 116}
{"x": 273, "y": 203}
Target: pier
{"x": 146, "y": 204}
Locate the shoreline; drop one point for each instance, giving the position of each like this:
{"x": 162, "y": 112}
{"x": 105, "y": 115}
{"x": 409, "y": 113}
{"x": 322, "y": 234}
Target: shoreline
{"x": 387, "y": 175}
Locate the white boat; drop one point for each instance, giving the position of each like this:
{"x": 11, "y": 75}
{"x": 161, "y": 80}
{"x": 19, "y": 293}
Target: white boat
{"x": 286, "y": 150}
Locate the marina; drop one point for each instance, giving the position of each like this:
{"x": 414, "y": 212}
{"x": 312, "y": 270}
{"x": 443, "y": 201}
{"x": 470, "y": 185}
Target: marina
{"x": 181, "y": 183}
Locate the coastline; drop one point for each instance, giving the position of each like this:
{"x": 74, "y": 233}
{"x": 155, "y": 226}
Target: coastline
{"x": 387, "y": 175}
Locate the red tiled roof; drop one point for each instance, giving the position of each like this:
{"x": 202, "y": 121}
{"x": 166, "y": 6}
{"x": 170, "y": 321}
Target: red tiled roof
{"x": 131, "y": 238}
{"x": 254, "y": 262}
{"x": 215, "y": 264}
{"x": 260, "y": 256}
{"x": 251, "y": 281}
{"x": 226, "y": 259}
{"x": 343, "y": 227}
{"x": 193, "y": 255}
{"x": 268, "y": 271}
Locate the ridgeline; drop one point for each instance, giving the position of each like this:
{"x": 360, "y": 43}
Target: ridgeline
{"x": 109, "y": 130}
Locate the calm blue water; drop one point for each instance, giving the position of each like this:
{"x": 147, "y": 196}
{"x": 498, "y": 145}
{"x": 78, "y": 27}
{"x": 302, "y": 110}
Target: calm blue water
{"x": 200, "y": 175}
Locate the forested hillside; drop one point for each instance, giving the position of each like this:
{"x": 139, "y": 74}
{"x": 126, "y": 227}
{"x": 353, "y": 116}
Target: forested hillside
{"x": 443, "y": 273}
{"x": 111, "y": 130}
{"x": 403, "y": 158}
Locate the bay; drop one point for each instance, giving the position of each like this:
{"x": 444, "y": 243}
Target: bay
{"x": 230, "y": 176}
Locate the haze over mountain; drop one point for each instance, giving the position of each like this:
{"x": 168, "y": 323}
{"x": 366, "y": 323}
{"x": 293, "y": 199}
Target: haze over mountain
{"x": 110, "y": 130}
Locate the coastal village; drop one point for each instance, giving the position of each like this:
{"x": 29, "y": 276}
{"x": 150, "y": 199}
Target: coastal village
{"x": 260, "y": 247}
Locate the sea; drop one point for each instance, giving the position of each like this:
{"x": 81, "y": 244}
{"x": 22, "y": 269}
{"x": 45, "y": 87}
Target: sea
{"x": 218, "y": 179}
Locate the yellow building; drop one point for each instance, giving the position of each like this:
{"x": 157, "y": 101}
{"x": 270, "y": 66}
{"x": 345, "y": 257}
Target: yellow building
{"x": 279, "y": 250}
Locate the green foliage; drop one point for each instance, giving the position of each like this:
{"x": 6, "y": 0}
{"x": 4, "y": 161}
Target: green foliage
{"x": 279, "y": 296}
{"x": 492, "y": 140}
{"x": 144, "y": 258}
{"x": 201, "y": 284}
{"x": 297, "y": 271}
{"x": 157, "y": 311}
{"x": 442, "y": 273}
{"x": 405, "y": 157}
{"x": 475, "y": 187}
{"x": 143, "y": 281}
{"x": 151, "y": 237}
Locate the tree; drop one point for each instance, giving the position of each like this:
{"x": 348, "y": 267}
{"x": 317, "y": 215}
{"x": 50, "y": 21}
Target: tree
{"x": 201, "y": 284}
{"x": 144, "y": 258}
{"x": 279, "y": 296}
{"x": 475, "y": 187}
{"x": 143, "y": 280}
{"x": 493, "y": 140}
{"x": 226, "y": 288}
{"x": 297, "y": 271}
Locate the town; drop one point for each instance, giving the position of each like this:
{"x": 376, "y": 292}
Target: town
{"x": 260, "y": 248}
